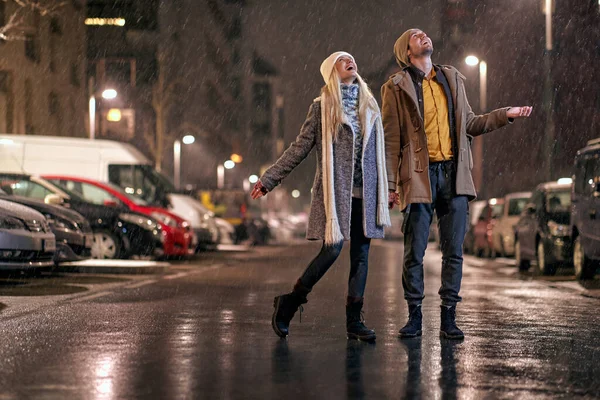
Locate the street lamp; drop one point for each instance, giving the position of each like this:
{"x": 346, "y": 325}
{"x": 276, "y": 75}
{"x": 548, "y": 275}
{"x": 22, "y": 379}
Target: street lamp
{"x": 549, "y": 147}
{"x": 229, "y": 164}
{"x": 187, "y": 139}
{"x": 478, "y": 141}
{"x": 108, "y": 94}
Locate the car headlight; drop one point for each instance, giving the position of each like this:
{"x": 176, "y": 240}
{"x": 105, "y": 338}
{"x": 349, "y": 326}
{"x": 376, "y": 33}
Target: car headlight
{"x": 11, "y": 223}
{"x": 57, "y": 222}
{"x": 141, "y": 221}
{"x": 165, "y": 219}
{"x": 558, "y": 230}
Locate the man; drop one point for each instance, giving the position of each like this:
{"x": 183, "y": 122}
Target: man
{"x": 428, "y": 125}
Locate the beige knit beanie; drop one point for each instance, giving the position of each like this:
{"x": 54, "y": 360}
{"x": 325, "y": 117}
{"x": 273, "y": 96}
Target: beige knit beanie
{"x": 328, "y": 64}
{"x": 401, "y": 48}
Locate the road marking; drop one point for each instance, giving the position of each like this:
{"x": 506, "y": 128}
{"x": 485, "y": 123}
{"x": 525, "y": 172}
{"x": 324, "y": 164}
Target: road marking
{"x": 91, "y": 296}
{"x": 140, "y": 284}
{"x": 474, "y": 262}
{"x": 179, "y": 275}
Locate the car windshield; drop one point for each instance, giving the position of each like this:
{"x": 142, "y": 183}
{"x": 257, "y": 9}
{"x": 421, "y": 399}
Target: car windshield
{"x": 497, "y": 210}
{"x": 24, "y": 187}
{"x": 129, "y": 193}
{"x": 516, "y": 206}
{"x": 558, "y": 206}
{"x": 141, "y": 181}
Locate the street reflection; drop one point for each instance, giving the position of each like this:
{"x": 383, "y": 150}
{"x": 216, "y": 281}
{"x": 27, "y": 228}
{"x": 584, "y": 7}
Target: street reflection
{"x": 449, "y": 375}
{"x": 355, "y": 388}
{"x": 103, "y": 376}
{"x": 413, "y": 376}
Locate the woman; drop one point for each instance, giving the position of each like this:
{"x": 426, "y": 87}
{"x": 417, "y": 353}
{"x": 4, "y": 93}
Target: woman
{"x": 350, "y": 192}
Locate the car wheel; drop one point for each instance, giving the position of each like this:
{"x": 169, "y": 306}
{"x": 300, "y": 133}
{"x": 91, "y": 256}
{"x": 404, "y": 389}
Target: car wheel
{"x": 545, "y": 266}
{"x": 106, "y": 246}
{"x": 522, "y": 264}
{"x": 584, "y": 269}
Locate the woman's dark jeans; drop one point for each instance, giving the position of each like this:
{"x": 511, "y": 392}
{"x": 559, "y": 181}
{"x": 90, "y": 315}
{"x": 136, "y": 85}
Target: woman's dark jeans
{"x": 452, "y": 212}
{"x": 359, "y": 255}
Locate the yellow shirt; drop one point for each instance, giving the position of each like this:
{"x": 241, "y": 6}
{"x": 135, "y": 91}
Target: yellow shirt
{"x": 437, "y": 129}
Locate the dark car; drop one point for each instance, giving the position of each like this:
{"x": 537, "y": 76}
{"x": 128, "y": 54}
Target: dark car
{"x": 585, "y": 211}
{"x": 73, "y": 232}
{"x": 117, "y": 232}
{"x": 542, "y": 233}
{"x": 26, "y": 241}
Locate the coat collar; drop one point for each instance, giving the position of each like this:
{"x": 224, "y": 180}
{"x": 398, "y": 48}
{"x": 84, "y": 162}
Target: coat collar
{"x": 404, "y": 81}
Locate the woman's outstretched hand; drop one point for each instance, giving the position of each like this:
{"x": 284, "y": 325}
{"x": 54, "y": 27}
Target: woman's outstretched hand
{"x": 258, "y": 191}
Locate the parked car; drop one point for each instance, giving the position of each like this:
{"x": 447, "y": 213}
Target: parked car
{"x": 26, "y": 241}
{"x": 179, "y": 238}
{"x": 542, "y": 232}
{"x": 585, "y": 211}
{"x": 482, "y": 231}
{"x": 475, "y": 209}
{"x": 503, "y": 231}
{"x": 118, "y": 233}
{"x": 102, "y": 160}
{"x": 73, "y": 233}
{"x": 226, "y": 231}
{"x": 201, "y": 220}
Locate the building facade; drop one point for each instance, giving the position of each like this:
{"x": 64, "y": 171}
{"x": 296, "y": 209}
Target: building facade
{"x": 42, "y": 75}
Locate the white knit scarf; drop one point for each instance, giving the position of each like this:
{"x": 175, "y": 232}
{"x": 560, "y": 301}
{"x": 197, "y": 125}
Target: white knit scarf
{"x": 333, "y": 233}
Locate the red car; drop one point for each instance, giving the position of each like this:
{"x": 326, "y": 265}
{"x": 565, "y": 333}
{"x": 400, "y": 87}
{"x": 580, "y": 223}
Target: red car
{"x": 483, "y": 245}
{"x": 179, "y": 237}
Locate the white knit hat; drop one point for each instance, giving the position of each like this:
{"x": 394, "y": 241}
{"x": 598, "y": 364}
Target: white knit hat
{"x": 327, "y": 65}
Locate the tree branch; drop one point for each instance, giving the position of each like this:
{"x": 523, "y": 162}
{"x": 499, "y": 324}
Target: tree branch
{"x": 17, "y": 28}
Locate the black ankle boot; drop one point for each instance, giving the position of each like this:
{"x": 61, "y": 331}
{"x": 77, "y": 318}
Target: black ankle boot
{"x": 286, "y": 306}
{"x": 448, "y": 328}
{"x": 414, "y": 324}
{"x": 355, "y": 324}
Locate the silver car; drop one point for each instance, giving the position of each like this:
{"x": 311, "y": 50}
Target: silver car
{"x": 26, "y": 240}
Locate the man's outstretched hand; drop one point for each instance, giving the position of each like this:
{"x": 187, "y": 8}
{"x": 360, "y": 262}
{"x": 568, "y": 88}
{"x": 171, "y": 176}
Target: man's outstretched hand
{"x": 519, "y": 112}
{"x": 258, "y": 191}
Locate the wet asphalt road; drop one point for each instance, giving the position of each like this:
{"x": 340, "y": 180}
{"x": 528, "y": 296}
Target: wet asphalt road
{"x": 203, "y": 332}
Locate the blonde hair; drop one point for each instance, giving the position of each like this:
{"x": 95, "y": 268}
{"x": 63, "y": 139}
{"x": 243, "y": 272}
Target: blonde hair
{"x": 331, "y": 102}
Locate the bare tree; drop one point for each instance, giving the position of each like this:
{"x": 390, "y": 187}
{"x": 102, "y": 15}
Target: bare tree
{"x": 164, "y": 93}
{"x": 17, "y": 25}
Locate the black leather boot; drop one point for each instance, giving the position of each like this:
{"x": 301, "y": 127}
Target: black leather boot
{"x": 286, "y": 306}
{"x": 413, "y": 327}
{"x": 448, "y": 328}
{"x": 355, "y": 324}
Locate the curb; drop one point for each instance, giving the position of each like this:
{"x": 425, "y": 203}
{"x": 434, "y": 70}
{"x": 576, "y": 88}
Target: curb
{"x": 129, "y": 267}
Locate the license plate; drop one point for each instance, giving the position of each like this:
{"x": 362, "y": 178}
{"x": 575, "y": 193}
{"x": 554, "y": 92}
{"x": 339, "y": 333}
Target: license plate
{"x": 49, "y": 245}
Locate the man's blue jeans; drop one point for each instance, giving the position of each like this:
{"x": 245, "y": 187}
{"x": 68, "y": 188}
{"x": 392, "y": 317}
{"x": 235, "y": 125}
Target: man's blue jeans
{"x": 452, "y": 212}
{"x": 359, "y": 257}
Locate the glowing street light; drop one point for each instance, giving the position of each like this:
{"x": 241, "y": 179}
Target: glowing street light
{"x": 295, "y": 193}
{"x": 109, "y": 94}
{"x": 236, "y": 158}
{"x": 472, "y": 61}
{"x": 229, "y": 164}
{"x": 253, "y": 178}
{"x": 188, "y": 139}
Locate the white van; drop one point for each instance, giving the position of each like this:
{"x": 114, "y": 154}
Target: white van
{"x": 102, "y": 160}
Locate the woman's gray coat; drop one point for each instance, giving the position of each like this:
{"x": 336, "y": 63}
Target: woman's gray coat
{"x": 343, "y": 154}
